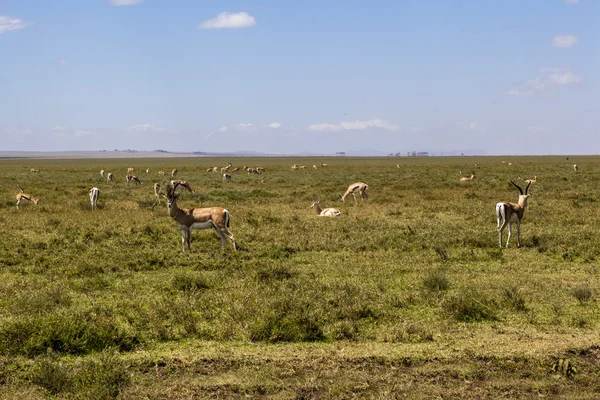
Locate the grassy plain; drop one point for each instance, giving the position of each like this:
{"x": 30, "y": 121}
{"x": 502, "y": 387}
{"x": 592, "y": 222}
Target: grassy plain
{"x": 405, "y": 296}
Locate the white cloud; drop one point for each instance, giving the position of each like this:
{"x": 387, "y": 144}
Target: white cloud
{"x": 518, "y": 92}
{"x": 274, "y": 125}
{"x": 564, "y": 78}
{"x": 229, "y": 20}
{"x": 12, "y": 24}
{"x": 81, "y": 133}
{"x": 572, "y": 1}
{"x": 223, "y": 129}
{"x": 552, "y": 76}
{"x": 565, "y": 41}
{"x": 354, "y": 126}
{"x": 144, "y": 128}
{"x": 246, "y": 127}
{"x": 119, "y": 3}
{"x": 62, "y": 62}
{"x": 473, "y": 126}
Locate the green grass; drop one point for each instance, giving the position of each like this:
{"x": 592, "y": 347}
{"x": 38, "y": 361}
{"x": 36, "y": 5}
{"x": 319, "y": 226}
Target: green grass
{"x": 407, "y": 294}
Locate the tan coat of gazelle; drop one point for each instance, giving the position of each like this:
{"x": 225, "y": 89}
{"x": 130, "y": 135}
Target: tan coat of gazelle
{"x": 24, "y": 196}
{"x": 325, "y": 212}
{"x": 465, "y": 179}
{"x": 359, "y": 187}
{"x": 199, "y": 218}
{"x": 507, "y": 213}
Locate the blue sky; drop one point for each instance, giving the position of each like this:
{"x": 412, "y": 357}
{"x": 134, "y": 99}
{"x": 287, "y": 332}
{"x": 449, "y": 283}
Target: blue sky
{"x": 276, "y": 76}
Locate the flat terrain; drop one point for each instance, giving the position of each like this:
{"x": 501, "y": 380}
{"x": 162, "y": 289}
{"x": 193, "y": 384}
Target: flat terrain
{"x": 407, "y": 295}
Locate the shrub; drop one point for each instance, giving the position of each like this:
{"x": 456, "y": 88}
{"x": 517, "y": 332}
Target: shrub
{"x": 436, "y": 281}
{"x": 583, "y": 293}
{"x": 514, "y": 298}
{"x": 471, "y": 305}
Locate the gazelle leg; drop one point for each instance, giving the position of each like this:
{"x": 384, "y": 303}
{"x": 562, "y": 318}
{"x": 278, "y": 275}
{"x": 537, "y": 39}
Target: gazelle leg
{"x": 189, "y": 238}
{"x": 501, "y": 226}
{"x": 518, "y": 233}
{"x": 183, "y": 238}
{"x": 509, "y": 233}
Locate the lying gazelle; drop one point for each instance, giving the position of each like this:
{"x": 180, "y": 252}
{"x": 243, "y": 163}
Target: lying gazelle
{"x": 226, "y": 177}
{"x": 175, "y": 183}
{"x": 295, "y": 167}
{"x": 359, "y": 187}
{"x": 507, "y": 213}
{"x": 325, "y": 212}
{"x": 161, "y": 172}
{"x": 94, "y": 193}
{"x": 465, "y": 179}
{"x": 34, "y": 170}
{"x": 534, "y": 180}
{"x": 24, "y": 196}
{"x": 199, "y": 218}
{"x": 134, "y": 178}
{"x": 110, "y": 177}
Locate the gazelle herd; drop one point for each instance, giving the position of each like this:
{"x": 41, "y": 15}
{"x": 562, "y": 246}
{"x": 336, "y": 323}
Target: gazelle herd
{"x": 218, "y": 218}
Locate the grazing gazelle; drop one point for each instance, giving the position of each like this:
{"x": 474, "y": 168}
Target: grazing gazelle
{"x": 134, "y": 178}
{"x": 24, "y": 196}
{"x": 94, "y": 192}
{"x": 199, "y": 218}
{"x": 507, "y": 213}
{"x": 359, "y": 187}
{"x": 226, "y": 177}
{"x": 325, "y": 212}
{"x": 465, "y": 179}
{"x": 175, "y": 183}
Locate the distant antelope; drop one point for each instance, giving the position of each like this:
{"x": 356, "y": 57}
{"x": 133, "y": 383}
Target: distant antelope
{"x": 325, "y": 212}
{"x": 575, "y": 167}
{"x": 130, "y": 170}
{"x": 323, "y": 165}
{"x": 226, "y": 177}
{"x": 398, "y": 166}
{"x": 34, "y": 170}
{"x": 507, "y": 213}
{"x": 315, "y": 166}
{"x": 253, "y": 171}
{"x": 260, "y": 169}
{"x": 180, "y": 183}
{"x": 465, "y": 179}
{"x": 534, "y": 180}
{"x": 477, "y": 166}
{"x": 302, "y": 167}
{"x": 199, "y": 218}
{"x": 110, "y": 177}
{"x": 359, "y": 187}
{"x": 134, "y": 178}
{"x": 161, "y": 172}
{"x": 295, "y": 167}
{"x": 174, "y": 172}
{"x": 94, "y": 193}
{"x": 24, "y": 196}
{"x": 236, "y": 170}
{"x": 147, "y": 170}
{"x": 102, "y": 173}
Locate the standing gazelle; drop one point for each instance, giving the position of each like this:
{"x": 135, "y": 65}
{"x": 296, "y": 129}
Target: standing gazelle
{"x": 507, "y": 213}
{"x": 359, "y": 187}
{"x": 325, "y": 212}
{"x": 199, "y": 218}
{"x": 94, "y": 193}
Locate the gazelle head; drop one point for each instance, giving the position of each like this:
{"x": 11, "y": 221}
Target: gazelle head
{"x": 171, "y": 199}
{"x": 315, "y": 204}
{"x": 523, "y": 196}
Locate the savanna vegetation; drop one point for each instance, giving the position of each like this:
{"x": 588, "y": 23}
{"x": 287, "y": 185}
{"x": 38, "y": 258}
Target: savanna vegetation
{"x": 406, "y": 295}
